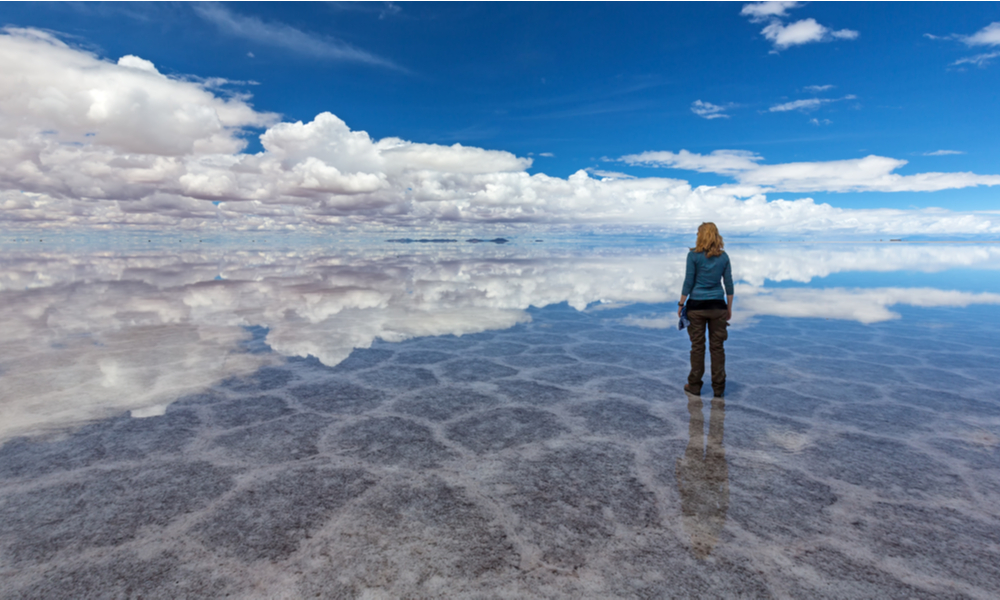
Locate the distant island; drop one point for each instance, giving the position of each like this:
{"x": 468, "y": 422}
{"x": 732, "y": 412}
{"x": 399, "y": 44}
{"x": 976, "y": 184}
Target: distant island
{"x": 447, "y": 241}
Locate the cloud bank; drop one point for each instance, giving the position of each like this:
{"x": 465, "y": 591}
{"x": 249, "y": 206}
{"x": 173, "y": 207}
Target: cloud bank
{"x": 88, "y": 142}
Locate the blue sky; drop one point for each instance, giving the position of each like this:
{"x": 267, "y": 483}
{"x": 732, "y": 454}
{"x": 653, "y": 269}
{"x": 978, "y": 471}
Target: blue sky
{"x": 580, "y": 86}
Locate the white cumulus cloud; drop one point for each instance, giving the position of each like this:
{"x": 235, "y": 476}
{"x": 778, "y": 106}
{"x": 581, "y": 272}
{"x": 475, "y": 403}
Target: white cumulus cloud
{"x": 870, "y": 174}
{"x": 785, "y": 35}
{"x": 725, "y": 162}
{"x": 137, "y": 63}
{"x": 803, "y": 32}
{"x": 129, "y": 107}
{"x": 987, "y": 36}
{"x": 761, "y": 11}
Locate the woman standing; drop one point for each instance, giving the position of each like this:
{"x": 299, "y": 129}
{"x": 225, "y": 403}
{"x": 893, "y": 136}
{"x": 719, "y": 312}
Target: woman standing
{"x": 708, "y": 269}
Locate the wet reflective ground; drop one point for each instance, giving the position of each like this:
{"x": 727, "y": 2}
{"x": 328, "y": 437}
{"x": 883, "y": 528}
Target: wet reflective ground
{"x": 497, "y": 423}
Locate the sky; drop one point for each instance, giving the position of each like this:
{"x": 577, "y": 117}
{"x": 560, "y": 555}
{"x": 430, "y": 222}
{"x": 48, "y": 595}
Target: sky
{"x": 771, "y": 119}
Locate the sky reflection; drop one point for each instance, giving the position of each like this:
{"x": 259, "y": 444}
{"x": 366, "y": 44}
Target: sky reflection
{"x": 89, "y": 333}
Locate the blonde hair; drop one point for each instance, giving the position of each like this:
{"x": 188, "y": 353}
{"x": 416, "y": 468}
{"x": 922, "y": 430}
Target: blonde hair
{"x": 709, "y": 240}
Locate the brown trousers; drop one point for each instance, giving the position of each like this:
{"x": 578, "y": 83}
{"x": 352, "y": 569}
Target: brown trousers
{"x": 715, "y": 319}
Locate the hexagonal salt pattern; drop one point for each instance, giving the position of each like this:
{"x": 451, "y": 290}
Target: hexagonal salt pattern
{"x": 557, "y": 459}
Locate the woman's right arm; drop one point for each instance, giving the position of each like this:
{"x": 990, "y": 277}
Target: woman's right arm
{"x": 727, "y": 282}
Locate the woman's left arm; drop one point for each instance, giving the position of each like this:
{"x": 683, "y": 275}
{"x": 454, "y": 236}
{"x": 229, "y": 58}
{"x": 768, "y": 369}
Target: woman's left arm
{"x": 727, "y": 282}
{"x": 689, "y": 273}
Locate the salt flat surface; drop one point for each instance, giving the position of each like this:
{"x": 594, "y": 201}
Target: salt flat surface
{"x": 544, "y": 452}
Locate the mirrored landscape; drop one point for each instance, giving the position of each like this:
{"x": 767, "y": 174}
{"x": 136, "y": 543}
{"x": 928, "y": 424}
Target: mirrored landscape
{"x": 496, "y": 420}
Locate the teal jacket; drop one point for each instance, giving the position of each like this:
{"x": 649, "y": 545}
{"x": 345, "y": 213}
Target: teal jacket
{"x": 705, "y": 277}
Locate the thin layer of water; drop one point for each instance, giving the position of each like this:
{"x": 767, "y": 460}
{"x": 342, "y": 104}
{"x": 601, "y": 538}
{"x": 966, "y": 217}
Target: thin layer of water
{"x": 484, "y": 428}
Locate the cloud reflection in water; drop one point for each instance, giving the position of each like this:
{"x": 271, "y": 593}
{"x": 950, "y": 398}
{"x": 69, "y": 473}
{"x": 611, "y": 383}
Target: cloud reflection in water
{"x": 86, "y": 334}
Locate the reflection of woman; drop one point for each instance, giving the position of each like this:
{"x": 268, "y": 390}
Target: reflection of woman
{"x": 703, "y": 479}
{"x": 707, "y": 268}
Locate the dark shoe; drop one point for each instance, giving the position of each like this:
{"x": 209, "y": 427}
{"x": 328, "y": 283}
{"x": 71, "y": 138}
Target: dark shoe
{"x": 719, "y": 393}
{"x": 695, "y": 391}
